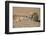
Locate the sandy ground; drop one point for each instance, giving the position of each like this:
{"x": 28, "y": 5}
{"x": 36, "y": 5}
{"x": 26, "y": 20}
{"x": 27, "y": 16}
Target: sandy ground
{"x": 26, "y": 23}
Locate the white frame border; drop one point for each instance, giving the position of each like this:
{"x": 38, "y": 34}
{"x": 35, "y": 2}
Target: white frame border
{"x": 11, "y": 29}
